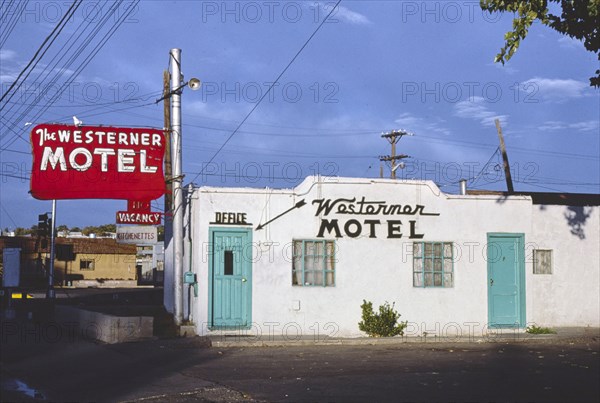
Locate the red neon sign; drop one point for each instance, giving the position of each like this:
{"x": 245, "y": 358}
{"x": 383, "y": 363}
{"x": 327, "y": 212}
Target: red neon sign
{"x": 97, "y": 162}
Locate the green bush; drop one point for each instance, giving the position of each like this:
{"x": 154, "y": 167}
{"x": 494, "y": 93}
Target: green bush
{"x": 533, "y": 329}
{"x": 382, "y": 324}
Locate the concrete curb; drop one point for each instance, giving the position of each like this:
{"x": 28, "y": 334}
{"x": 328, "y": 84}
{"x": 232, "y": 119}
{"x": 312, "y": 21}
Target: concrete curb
{"x": 562, "y": 334}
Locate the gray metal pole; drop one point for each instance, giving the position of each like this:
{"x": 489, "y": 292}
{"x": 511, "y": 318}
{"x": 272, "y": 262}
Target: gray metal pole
{"x": 51, "y": 292}
{"x": 176, "y": 79}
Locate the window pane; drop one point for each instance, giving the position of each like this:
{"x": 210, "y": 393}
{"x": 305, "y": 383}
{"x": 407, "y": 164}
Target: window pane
{"x": 428, "y": 279}
{"x": 418, "y": 265}
{"x": 448, "y": 280}
{"x": 447, "y": 265}
{"x": 542, "y": 261}
{"x": 435, "y": 267}
{"x": 448, "y": 250}
{"x": 428, "y": 265}
{"x": 417, "y": 249}
{"x": 428, "y": 249}
{"x": 313, "y": 263}
{"x": 329, "y": 278}
{"x": 297, "y": 248}
{"x": 418, "y": 279}
{"x": 228, "y": 264}
{"x": 309, "y": 278}
{"x": 319, "y": 248}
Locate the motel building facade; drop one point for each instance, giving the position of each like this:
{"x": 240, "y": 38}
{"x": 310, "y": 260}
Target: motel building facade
{"x": 299, "y": 262}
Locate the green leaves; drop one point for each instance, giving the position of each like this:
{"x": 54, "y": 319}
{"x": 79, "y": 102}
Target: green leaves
{"x": 383, "y": 324}
{"x": 578, "y": 19}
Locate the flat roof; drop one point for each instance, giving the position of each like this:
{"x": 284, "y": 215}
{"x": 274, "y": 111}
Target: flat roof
{"x": 559, "y": 199}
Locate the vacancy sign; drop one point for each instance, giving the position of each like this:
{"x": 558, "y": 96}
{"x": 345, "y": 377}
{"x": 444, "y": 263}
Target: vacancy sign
{"x": 138, "y": 212}
{"x": 97, "y": 162}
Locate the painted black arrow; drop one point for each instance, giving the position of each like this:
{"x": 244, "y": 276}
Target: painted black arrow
{"x": 297, "y": 205}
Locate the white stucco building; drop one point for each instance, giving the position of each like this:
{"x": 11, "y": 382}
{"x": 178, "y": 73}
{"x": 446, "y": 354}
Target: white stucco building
{"x": 299, "y": 262}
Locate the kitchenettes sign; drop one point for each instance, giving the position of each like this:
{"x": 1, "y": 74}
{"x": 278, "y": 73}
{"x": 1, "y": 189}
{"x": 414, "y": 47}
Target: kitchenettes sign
{"x": 89, "y": 162}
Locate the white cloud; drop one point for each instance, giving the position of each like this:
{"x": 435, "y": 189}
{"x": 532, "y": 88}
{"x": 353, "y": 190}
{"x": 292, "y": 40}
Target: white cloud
{"x": 343, "y": 14}
{"x": 584, "y": 126}
{"x": 506, "y": 68}
{"x": 567, "y": 42}
{"x": 7, "y": 54}
{"x": 352, "y": 17}
{"x": 475, "y": 108}
{"x": 558, "y": 90}
{"x": 416, "y": 124}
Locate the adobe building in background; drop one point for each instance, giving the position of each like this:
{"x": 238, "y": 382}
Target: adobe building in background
{"x": 80, "y": 262}
{"x": 300, "y": 262}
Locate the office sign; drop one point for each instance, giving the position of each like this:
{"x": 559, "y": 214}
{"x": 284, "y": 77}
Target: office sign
{"x": 97, "y": 162}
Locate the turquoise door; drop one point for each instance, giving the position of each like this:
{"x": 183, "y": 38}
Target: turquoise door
{"x": 506, "y": 280}
{"x": 230, "y": 291}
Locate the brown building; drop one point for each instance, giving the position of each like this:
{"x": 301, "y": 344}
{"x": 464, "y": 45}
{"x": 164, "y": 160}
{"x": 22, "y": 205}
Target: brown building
{"x": 77, "y": 260}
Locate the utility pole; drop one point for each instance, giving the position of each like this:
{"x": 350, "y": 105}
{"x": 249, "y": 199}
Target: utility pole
{"x": 168, "y": 168}
{"x": 393, "y": 137}
{"x": 177, "y": 179}
{"x": 509, "y": 183}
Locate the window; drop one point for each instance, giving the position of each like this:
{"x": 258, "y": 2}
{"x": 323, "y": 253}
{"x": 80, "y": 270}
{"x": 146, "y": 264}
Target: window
{"x": 433, "y": 264}
{"x": 86, "y": 264}
{"x": 313, "y": 263}
{"x": 542, "y": 261}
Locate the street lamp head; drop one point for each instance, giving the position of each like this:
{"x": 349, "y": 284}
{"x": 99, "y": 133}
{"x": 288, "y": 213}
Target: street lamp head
{"x": 194, "y": 84}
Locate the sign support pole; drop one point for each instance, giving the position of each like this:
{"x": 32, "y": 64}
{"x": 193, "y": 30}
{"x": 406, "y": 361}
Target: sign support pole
{"x": 51, "y": 293}
{"x": 177, "y": 179}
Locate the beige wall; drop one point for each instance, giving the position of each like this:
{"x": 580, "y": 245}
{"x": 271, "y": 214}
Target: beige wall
{"x": 117, "y": 267}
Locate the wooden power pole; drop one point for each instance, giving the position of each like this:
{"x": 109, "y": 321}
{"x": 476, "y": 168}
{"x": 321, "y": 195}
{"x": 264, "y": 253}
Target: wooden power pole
{"x": 509, "y": 183}
{"x": 393, "y": 137}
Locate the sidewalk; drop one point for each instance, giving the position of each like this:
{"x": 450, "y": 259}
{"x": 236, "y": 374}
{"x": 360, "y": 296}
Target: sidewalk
{"x": 240, "y": 339}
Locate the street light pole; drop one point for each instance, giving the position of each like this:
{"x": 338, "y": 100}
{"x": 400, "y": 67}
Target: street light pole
{"x": 177, "y": 179}
{"x": 51, "y": 292}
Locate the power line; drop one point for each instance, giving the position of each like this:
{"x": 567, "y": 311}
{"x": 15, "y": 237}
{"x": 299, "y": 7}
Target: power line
{"x": 78, "y": 51}
{"x": 59, "y": 27}
{"x": 270, "y": 87}
{"x": 13, "y": 19}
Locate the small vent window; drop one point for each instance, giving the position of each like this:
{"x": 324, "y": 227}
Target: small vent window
{"x": 542, "y": 261}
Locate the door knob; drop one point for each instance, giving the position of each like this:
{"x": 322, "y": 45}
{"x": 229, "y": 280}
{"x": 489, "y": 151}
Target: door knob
{"x": 244, "y": 279}
{"x": 491, "y": 281}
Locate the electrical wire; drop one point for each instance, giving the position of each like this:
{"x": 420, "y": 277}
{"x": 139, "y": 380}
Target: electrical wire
{"x": 57, "y": 29}
{"x": 10, "y": 26}
{"x": 271, "y": 86}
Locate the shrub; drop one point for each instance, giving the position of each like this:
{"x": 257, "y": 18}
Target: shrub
{"x": 533, "y": 329}
{"x": 382, "y": 324}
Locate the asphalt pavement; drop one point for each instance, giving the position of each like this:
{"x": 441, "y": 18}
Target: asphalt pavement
{"x": 45, "y": 364}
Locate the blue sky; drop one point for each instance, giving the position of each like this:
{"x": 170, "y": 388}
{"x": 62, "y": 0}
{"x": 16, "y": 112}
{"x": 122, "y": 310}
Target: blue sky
{"x": 426, "y": 67}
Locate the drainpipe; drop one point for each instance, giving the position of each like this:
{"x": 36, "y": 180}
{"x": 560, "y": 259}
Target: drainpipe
{"x": 463, "y": 187}
{"x": 190, "y": 248}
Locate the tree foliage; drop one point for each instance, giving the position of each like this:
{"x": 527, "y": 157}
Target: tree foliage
{"x": 578, "y": 19}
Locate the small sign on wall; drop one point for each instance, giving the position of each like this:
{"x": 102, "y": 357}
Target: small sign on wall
{"x": 137, "y": 235}
{"x": 230, "y": 218}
